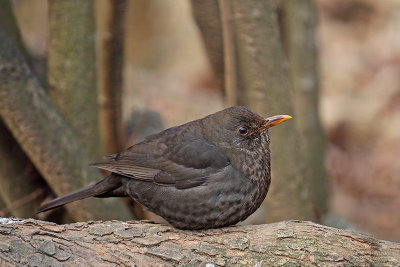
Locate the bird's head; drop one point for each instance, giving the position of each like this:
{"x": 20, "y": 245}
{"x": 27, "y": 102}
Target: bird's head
{"x": 240, "y": 128}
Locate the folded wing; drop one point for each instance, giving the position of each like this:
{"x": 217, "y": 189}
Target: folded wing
{"x": 182, "y": 163}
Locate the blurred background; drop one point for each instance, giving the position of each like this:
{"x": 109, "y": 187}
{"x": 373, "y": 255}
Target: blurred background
{"x": 146, "y": 65}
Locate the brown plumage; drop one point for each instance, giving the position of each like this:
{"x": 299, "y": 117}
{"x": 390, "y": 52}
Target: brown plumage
{"x": 208, "y": 173}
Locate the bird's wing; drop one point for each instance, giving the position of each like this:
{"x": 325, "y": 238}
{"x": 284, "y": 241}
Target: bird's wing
{"x": 183, "y": 164}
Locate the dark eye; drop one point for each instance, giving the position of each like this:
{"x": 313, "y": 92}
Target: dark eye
{"x": 243, "y": 130}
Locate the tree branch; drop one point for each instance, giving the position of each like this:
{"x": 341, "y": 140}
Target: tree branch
{"x": 111, "y": 59}
{"x": 114, "y": 243}
{"x": 207, "y": 16}
{"x": 18, "y": 178}
{"x": 44, "y": 136}
{"x": 15, "y": 167}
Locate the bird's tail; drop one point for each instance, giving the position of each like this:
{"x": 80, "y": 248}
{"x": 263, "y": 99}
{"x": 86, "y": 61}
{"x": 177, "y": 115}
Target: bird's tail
{"x": 103, "y": 188}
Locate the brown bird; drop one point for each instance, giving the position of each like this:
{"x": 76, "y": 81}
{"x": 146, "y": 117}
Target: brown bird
{"x": 208, "y": 173}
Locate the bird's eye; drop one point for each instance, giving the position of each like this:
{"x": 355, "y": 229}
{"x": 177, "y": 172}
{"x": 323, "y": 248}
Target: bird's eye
{"x": 243, "y": 130}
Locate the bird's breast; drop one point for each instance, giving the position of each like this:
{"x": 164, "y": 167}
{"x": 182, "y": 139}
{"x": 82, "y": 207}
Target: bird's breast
{"x": 227, "y": 198}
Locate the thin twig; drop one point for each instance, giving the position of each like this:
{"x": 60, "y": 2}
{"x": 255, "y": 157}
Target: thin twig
{"x": 21, "y": 202}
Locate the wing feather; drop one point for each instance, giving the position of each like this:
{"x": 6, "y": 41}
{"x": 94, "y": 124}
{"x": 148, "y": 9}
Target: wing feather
{"x": 184, "y": 163}
{"x": 126, "y": 168}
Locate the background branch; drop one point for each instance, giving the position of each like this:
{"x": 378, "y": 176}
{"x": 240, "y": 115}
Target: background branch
{"x": 72, "y": 69}
{"x": 44, "y": 136}
{"x": 18, "y": 177}
{"x": 207, "y": 16}
{"x": 299, "y": 24}
{"x": 266, "y": 89}
{"x": 110, "y": 78}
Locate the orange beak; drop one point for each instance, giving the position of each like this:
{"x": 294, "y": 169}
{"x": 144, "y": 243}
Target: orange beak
{"x": 272, "y": 121}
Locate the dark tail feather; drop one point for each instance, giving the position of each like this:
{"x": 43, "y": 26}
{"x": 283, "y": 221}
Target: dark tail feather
{"x": 104, "y": 186}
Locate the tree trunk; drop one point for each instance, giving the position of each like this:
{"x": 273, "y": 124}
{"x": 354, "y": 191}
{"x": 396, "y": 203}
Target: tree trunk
{"x": 265, "y": 82}
{"x": 299, "y": 22}
{"x": 208, "y": 20}
{"x": 113, "y": 243}
{"x": 72, "y": 68}
{"x": 51, "y": 145}
{"x": 111, "y": 54}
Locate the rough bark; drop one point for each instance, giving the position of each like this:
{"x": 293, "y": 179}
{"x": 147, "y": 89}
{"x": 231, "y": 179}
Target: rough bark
{"x": 44, "y": 136}
{"x": 114, "y": 243}
{"x": 299, "y": 22}
{"x": 265, "y": 78}
{"x": 111, "y": 54}
{"x": 72, "y": 68}
{"x": 208, "y": 19}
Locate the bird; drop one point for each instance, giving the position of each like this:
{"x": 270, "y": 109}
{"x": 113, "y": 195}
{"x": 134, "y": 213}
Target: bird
{"x": 208, "y": 173}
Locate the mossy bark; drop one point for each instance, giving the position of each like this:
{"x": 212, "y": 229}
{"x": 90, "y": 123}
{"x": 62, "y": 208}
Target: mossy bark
{"x": 72, "y": 68}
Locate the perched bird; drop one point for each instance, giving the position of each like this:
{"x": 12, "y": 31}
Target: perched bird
{"x": 208, "y": 173}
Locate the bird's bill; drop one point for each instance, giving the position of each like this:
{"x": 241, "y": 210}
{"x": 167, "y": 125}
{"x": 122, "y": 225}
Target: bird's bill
{"x": 274, "y": 120}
